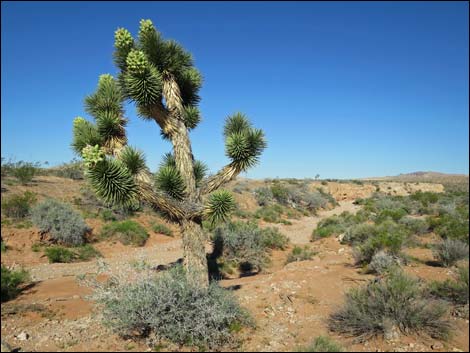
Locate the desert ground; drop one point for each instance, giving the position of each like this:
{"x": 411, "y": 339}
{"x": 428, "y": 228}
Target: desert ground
{"x": 290, "y": 303}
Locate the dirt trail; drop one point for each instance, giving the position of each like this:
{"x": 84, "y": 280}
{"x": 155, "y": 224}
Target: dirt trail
{"x": 300, "y": 232}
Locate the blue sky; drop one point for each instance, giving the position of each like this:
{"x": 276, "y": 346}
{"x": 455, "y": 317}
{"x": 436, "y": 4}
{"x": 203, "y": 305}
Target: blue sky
{"x": 345, "y": 90}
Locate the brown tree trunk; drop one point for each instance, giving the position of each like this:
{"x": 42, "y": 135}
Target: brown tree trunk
{"x": 195, "y": 261}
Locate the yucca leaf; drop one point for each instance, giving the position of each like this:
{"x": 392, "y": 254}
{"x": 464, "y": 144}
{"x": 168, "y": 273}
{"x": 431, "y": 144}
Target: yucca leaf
{"x": 133, "y": 159}
{"x": 84, "y": 133}
{"x": 236, "y": 123}
{"x": 200, "y": 170}
{"x": 168, "y": 179}
{"x": 108, "y": 98}
{"x": 219, "y": 205}
{"x": 112, "y": 182}
{"x": 192, "y": 116}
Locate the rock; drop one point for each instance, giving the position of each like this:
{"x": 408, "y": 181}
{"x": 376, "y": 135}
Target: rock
{"x": 437, "y": 345}
{"x": 341, "y": 237}
{"x": 412, "y": 345}
{"x": 340, "y": 251}
{"x": 23, "y": 336}
{"x": 456, "y": 350}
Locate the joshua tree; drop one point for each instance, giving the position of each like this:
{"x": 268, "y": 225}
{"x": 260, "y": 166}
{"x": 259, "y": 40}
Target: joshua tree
{"x": 159, "y": 76}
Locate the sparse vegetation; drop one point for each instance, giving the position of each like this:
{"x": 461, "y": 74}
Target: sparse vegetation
{"x": 449, "y": 251}
{"x": 18, "y": 206}
{"x": 127, "y": 232}
{"x": 454, "y": 291}
{"x": 61, "y": 221}
{"x": 322, "y": 344}
{"x": 24, "y": 171}
{"x": 300, "y": 254}
{"x": 386, "y": 305}
{"x": 59, "y": 254}
{"x": 162, "y": 229}
{"x": 11, "y": 280}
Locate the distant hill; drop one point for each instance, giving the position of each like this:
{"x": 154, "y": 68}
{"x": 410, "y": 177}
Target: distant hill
{"x": 460, "y": 180}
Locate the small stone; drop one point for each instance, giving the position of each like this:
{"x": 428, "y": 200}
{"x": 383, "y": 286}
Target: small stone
{"x": 340, "y": 251}
{"x": 437, "y": 345}
{"x": 412, "y": 345}
{"x": 23, "y": 336}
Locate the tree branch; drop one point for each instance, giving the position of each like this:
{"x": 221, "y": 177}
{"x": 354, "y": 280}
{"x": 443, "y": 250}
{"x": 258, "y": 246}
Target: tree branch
{"x": 226, "y": 174}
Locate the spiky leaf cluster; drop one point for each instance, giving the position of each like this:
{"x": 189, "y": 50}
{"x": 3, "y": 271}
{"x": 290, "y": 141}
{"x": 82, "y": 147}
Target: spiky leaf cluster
{"x": 219, "y": 205}
{"x": 150, "y": 60}
{"x": 84, "y": 133}
{"x": 168, "y": 179}
{"x": 192, "y": 116}
{"x": 133, "y": 159}
{"x": 243, "y": 143}
{"x": 113, "y": 182}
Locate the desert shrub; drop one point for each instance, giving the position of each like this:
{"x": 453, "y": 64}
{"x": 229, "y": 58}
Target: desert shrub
{"x": 107, "y": 215}
{"x": 415, "y": 225}
{"x": 394, "y": 213}
{"x": 64, "y": 224}
{"x": 328, "y": 226}
{"x": 425, "y": 198}
{"x": 241, "y": 245}
{"x": 322, "y": 344}
{"x": 454, "y": 291}
{"x": 272, "y": 238}
{"x": 382, "y": 263}
{"x": 11, "y": 281}
{"x": 450, "y": 251}
{"x": 59, "y": 254}
{"x": 359, "y": 233}
{"x": 300, "y": 254}
{"x": 127, "y": 232}
{"x": 451, "y": 227}
{"x": 324, "y": 182}
{"x": 162, "y": 229}
{"x": 395, "y": 302}
{"x": 280, "y": 193}
{"x": 3, "y": 246}
{"x": 271, "y": 213}
{"x": 388, "y": 236}
{"x": 173, "y": 309}
{"x": 86, "y": 252}
{"x": 263, "y": 196}
{"x": 25, "y": 171}
{"x": 18, "y": 206}
{"x": 72, "y": 170}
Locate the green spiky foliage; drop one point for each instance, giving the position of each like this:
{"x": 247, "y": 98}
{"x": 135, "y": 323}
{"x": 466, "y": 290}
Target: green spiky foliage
{"x": 168, "y": 179}
{"x": 243, "y": 143}
{"x": 219, "y": 206}
{"x": 133, "y": 159}
{"x": 85, "y": 134}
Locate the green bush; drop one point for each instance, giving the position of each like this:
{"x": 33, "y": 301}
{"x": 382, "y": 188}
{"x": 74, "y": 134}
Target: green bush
{"x": 17, "y": 206}
{"x": 395, "y": 302}
{"x": 271, "y": 213}
{"x": 86, "y": 252}
{"x": 451, "y": 227}
{"x": 388, "y": 236}
{"x": 72, "y": 170}
{"x": 25, "y": 171}
{"x": 454, "y": 291}
{"x": 11, "y": 281}
{"x": 425, "y": 198}
{"x": 127, "y": 232}
{"x": 173, "y": 309}
{"x": 59, "y": 254}
{"x": 327, "y": 227}
{"x": 395, "y": 214}
{"x": 3, "y": 246}
{"x": 322, "y": 344}
{"x": 383, "y": 263}
{"x": 450, "y": 251}
{"x": 358, "y": 233}
{"x": 162, "y": 229}
{"x": 300, "y": 254}
{"x": 415, "y": 225}
{"x": 107, "y": 215}
{"x": 272, "y": 238}
{"x": 280, "y": 193}
{"x": 64, "y": 224}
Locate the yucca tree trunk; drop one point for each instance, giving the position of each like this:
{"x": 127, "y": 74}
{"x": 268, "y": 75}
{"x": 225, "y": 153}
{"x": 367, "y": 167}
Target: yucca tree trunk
{"x": 194, "y": 251}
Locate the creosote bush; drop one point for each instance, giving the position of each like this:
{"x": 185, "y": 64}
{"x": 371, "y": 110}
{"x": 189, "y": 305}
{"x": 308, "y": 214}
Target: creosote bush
{"x": 450, "y": 251}
{"x": 322, "y": 344}
{"x": 127, "y": 232}
{"x": 300, "y": 254}
{"x": 11, "y": 280}
{"x": 454, "y": 291}
{"x": 173, "y": 309}
{"x": 245, "y": 246}
{"x": 396, "y": 302}
{"x": 18, "y": 206}
{"x": 25, "y": 171}
{"x": 64, "y": 224}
